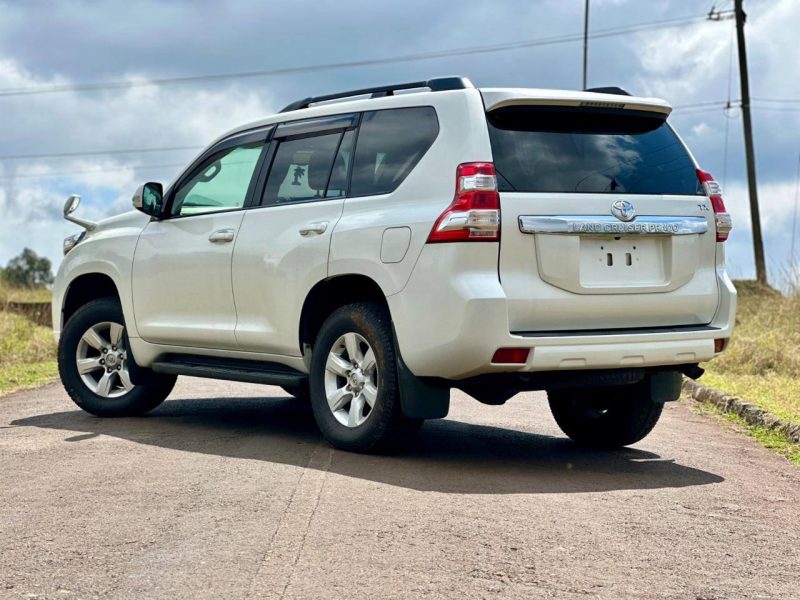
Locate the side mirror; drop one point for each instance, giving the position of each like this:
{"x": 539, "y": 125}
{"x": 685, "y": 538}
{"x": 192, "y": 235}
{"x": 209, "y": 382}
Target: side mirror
{"x": 149, "y": 198}
{"x": 72, "y": 204}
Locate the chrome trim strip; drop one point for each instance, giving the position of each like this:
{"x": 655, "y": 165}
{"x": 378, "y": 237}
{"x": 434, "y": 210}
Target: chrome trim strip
{"x": 608, "y": 225}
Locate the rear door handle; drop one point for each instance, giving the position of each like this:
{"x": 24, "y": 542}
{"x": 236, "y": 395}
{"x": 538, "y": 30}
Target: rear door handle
{"x": 221, "y": 236}
{"x": 314, "y": 228}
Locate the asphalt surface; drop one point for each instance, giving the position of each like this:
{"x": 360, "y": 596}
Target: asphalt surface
{"x": 228, "y": 491}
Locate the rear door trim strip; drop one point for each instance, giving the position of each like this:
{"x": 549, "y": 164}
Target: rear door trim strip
{"x": 609, "y": 225}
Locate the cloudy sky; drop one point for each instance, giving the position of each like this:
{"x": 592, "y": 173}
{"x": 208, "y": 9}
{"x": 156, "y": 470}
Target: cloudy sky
{"x": 45, "y": 46}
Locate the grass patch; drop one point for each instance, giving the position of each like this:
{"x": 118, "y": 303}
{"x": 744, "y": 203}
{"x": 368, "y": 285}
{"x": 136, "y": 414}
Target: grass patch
{"x": 775, "y": 393}
{"x": 27, "y": 353}
{"x": 15, "y": 294}
{"x": 766, "y": 437}
{"x": 27, "y": 375}
{"x": 22, "y": 341}
{"x": 762, "y": 362}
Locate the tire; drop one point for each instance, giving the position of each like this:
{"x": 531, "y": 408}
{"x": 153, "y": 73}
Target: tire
{"x": 347, "y": 420}
{"x": 301, "y": 392}
{"x": 607, "y": 417}
{"x": 101, "y": 356}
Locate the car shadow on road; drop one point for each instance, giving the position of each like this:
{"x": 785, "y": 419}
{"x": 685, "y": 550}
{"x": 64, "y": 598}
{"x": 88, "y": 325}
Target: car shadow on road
{"x": 448, "y": 456}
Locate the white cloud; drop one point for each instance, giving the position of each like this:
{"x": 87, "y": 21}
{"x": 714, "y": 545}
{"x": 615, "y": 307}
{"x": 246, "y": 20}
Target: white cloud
{"x": 143, "y": 117}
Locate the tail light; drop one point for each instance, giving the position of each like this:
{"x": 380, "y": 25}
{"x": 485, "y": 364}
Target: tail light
{"x": 474, "y": 214}
{"x": 714, "y": 192}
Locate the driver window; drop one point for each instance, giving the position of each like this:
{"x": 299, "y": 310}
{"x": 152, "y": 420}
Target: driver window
{"x": 220, "y": 183}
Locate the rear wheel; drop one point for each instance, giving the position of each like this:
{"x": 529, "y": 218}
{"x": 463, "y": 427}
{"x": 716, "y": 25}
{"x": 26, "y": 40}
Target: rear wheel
{"x": 354, "y": 389}
{"x": 608, "y": 417}
{"x": 95, "y": 364}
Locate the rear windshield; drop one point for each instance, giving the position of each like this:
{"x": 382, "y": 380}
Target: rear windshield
{"x": 546, "y": 149}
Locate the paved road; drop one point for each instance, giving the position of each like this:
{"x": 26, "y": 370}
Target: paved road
{"x": 227, "y": 491}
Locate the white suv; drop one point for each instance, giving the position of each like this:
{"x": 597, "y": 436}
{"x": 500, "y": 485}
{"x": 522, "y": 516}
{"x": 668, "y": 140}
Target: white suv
{"x": 370, "y": 254}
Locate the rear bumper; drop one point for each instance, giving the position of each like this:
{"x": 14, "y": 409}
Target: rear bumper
{"x": 450, "y": 321}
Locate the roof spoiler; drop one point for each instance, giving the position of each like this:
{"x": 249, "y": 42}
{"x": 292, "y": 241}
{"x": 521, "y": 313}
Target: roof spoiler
{"x": 617, "y": 91}
{"x": 440, "y": 84}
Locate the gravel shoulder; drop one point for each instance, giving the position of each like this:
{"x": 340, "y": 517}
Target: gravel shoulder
{"x": 227, "y": 490}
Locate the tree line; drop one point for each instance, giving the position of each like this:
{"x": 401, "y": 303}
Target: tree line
{"x": 28, "y": 270}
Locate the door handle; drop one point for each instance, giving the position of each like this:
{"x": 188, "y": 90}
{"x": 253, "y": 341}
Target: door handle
{"x": 314, "y": 228}
{"x": 221, "y": 236}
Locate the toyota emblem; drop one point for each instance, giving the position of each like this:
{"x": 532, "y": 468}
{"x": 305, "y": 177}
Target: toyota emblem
{"x": 623, "y": 210}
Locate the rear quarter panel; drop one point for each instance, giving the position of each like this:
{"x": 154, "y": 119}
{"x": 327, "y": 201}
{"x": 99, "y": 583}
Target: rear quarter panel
{"x": 418, "y": 201}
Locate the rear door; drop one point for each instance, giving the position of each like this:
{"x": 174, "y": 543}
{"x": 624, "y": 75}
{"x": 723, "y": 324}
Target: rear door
{"x": 604, "y": 222}
{"x": 282, "y": 248}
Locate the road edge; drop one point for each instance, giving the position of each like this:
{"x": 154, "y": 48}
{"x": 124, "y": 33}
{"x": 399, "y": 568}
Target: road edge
{"x": 750, "y": 413}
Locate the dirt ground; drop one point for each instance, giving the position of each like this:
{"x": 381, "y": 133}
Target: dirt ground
{"x": 228, "y": 491}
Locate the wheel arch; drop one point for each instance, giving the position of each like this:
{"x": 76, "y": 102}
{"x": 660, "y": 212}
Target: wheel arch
{"x": 331, "y": 293}
{"x": 85, "y": 288}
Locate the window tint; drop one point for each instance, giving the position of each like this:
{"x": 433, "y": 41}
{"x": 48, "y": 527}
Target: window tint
{"x": 220, "y": 183}
{"x": 567, "y": 150}
{"x": 390, "y": 144}
{"x": 301, "y": 168}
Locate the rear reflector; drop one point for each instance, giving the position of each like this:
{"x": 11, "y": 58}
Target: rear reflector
{"x": 720, "y": 344}
{"x": 714, "y": 192}
{"x": 474, "y": 214}
{"x": 515, "y": 356}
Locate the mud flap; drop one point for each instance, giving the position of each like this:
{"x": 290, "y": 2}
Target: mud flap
{"x": 665, "y": 386}
{"x": 420, "y": 399}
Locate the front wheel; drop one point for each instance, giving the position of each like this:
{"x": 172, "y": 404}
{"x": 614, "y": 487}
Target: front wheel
{"x": 607, "y": 417}
{"x": 354, "y": 388}
{"x": 95, "y": 364}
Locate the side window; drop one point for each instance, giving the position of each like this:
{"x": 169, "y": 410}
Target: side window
{"x": 390, "y": 144}
{"x": 301, "y": 168}
{"x": 220, "y": 183}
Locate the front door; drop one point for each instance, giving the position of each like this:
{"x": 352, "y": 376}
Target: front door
{"x": 182, "y": 293}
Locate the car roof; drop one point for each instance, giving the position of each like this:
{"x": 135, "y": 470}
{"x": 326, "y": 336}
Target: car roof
{"x": 493, "y": 99}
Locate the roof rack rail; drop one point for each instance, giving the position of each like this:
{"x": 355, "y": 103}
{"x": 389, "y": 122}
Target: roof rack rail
{"x": 608, "y": 90}
{"x": 439, "y": 84}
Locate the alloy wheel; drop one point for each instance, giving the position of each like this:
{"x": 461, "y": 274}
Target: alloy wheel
{"x": 102, "y": 360}
{"x": 351, "y": 379}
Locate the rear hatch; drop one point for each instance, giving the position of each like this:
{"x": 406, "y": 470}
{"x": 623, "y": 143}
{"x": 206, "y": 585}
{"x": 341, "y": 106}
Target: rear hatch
{"x": 604, "y": 222}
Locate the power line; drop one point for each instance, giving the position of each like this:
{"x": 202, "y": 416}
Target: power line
{"x": 530, "y": 43}
{"x": 778, "y": 108}
{"x": 711, "y": 104}
{"x": 778, "y": 100}
{"x": 96, "y": 152}
{"x": 29, "y": 174}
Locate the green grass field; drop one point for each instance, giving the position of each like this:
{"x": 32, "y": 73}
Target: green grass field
{"x": 27, "y": 351}
{"x": 762, "y": 362}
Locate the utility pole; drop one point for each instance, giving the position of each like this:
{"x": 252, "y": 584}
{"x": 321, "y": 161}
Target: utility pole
{"x": 755, "y": 217}
{"x": 586, "y": 45}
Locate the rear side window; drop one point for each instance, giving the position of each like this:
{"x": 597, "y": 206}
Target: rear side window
{"x": 301, "y": 169}
{"x": 540, "y": 149}
{"x": 390, "y": 144}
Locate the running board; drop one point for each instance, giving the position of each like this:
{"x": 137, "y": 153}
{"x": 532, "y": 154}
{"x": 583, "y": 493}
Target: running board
{"x": 230, "y": 369}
